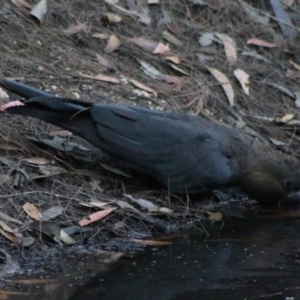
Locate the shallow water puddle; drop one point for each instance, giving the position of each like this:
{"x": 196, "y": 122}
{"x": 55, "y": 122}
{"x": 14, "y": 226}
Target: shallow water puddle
{"x": 257, "y": 257}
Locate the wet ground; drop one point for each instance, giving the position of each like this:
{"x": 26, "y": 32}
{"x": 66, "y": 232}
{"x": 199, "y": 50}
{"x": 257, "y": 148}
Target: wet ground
{"x": 255, "y": 257}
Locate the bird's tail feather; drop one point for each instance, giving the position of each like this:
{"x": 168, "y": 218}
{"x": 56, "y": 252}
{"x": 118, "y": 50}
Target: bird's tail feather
{"x": 23, "y": 90}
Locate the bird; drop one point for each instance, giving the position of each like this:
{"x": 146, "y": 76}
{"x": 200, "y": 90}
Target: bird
{"x": 186, "y": 154}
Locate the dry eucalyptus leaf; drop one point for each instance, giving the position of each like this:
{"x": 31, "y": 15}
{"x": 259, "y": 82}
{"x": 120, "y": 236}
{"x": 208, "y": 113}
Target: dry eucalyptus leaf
{"x": 60, "y": 133}
{"x": 8, "y": 218}
{"x": 100, "y": 78}
{"x": 124, "y": 205}
{"x": 215, "y": 216}
{"x": 3, "y": 95}
{"x": 52, "y": 212}
{"x": 156, "y": 74}
{"x": 114, "y": 170}
{"x": 162, "y": 211}
{"x": 285, "y": 118}
{"x": 113, "y": 18}
{"x": 94, "y": 203}
{"x": 150, "y": 242}
{"x": 105, "y": 62}
{"x": 143, "y": 203}
{"x": 258, "y": 56}
{"x": 171, "y": 38}
{"x": 261, "y": 43}
{"x": 27, "y": 241}
{"x": 243, "y": 78}
{"x": 50, "y": 170}
{"x": 255, "y": 14}
{"x": 297, "y": 100}
{"x": 229, "y": 46}
{"x": 21, "y": 4}
{"x": 281, "y": 88}
{"x": 113, "y": 44}
{"x": 102, "y": 36}
{"x": 5, "y": 227}
{"x": 32, "y": 211}
{"x": 174, "y": 59}
{"x": 206, "y": 39}
{"x": 66, "y": 238}
{"x": 147, "y": 44}
{"x": 295, "y": 65}
{"x": 179, "y": 70}
{"x": 96, "y": 216}
{"x": 143, "y": 87}
{"x": 161, "y": 48}
{"x": 224, "y": 81}
{"x": 276, "y": 142}
{"x": 76, "y": 28}
{"x": 11, "y": 237}
{"x": 37, "y": 160}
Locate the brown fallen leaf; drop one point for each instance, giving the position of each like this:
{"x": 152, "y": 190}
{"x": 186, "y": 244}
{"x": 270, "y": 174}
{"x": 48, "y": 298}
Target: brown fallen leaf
{"x": 21, "y": 3}
{"x": 261, "y": 43}
{"x": 102, "y": 36}
{"x": 161, "y": 48}
{"x": 174, "y": 59}
{"x": 255, "y": 14}
{"x": 33, "y": 281}
{"x": 229, "y": 47}
{"x": 243, "y": 78}
{"x": 224, "y": 81}
{"x": 76, "y": 28}
{"x": 60, "y": 133}
{"x": 171, "y": 38}
{"x": 156, "y": 74}
{"x": 37, "y": 160}
{"x": 143, "y": 87}
{"x": 286, "y": 118}
{"x": 9, "y": 147}
{"x": 113, "y": 44}
{"x": 290, "y": 74}
{"x": 146, "y": 44}
{"x": 6, "y": 217}
{"x": 113, "y": 18}
{"x": 66, "y": 238}
{"x": 215, "y": 216}
{"x": 52, "y": 212}
{"x": 295, "y": 65}
{"x": 150, "y": 242}
{"x": 100, "y": 78}
{"x": 126, "y": 205}
{"x": 105, "y": 62}
{"x": 98, "y": 204}
{"x": 11, "y": 237}
{"x": 32, "y": 211}
{"x": 96, "y": 216}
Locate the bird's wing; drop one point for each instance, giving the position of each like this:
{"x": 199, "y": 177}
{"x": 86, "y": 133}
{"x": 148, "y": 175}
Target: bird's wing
{"x": 173, "y": 149}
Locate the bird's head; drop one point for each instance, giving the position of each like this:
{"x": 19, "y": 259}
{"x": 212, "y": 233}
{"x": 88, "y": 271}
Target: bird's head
{"x": 272, "y": 176}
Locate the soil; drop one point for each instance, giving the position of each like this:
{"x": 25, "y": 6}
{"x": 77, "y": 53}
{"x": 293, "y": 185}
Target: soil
{"x": 57, "y": 53}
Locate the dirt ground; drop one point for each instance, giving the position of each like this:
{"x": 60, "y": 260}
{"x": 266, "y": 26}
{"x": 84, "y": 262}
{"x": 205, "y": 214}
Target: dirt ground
{"x": 106, "y": 51}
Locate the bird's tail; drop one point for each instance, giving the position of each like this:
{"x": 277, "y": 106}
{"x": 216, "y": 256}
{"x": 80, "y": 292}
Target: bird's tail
{"x": 23, "y": 90}
{"x": 69, "y": 114}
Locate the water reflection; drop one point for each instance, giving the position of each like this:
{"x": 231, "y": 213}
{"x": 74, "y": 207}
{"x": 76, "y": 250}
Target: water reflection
{"x": 249, "y": 258}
